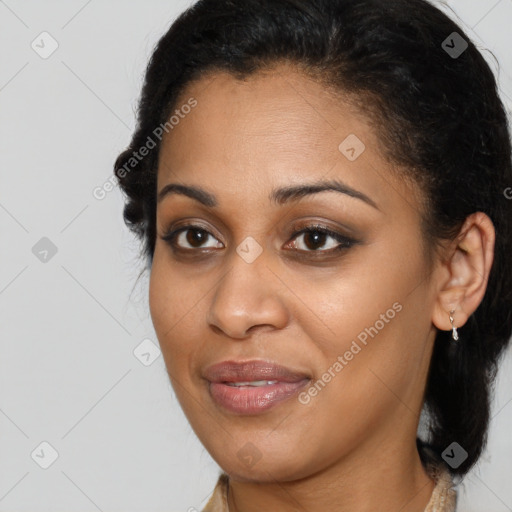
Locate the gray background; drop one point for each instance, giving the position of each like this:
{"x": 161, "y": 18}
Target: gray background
{"x": 69, "y": 325}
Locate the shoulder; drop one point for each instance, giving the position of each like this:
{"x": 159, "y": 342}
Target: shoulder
{"x": 444, "y": 495}
{"x": 219, "y": 499}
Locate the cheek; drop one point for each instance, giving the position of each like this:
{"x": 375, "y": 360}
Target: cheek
{"x": 368, "y": 327}
{"x": 176, "y": 301}
{"x": 352, "y": 306}
{"x": 377, "y": 360}
{"x": 170, "y": 307}
{"x": 171, "y": 297}
{"x": 160, "y": 298}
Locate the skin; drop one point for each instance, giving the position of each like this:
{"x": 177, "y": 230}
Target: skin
{"x": 352, "y": 447}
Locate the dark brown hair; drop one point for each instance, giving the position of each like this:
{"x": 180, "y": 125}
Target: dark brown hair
{"x": 441, "y": 120}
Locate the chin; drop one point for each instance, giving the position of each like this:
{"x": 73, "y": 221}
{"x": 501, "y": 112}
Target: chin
{"x": 267, "y": 469}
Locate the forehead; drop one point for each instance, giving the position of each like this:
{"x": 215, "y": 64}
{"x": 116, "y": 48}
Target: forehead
{"x": 273, "y": 128}
{"x": 279, "y": 106}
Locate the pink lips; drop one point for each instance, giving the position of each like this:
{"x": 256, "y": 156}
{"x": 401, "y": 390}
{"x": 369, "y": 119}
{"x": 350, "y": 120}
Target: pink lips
{"x": 250, "y": 399}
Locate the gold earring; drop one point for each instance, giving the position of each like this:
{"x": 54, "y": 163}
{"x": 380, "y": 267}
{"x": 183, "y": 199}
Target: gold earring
{"x": 455, "y": 334}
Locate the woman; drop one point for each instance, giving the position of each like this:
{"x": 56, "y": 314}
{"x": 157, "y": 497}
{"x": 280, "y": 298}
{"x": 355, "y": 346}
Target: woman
{"x": 319, "y": 186}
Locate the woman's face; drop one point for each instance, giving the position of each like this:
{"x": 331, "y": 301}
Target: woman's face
{"x": 351, "y": 321}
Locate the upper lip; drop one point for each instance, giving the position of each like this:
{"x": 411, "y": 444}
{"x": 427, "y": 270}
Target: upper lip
{"x": 254, "y": 370}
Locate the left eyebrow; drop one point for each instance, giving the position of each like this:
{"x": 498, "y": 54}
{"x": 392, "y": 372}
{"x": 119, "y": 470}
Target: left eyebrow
{"x": 293, "y": 192}
{"x": 278, "y": 196}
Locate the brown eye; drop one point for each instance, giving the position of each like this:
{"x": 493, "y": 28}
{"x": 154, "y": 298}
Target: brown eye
{"x": 316, "y": 237}
{"x": 314, "y": 240}
{"x": 194, "y": 236}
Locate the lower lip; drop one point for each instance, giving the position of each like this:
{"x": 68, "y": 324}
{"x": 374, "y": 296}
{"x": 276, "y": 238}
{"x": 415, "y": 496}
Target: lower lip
{"x": 253, "y": 399}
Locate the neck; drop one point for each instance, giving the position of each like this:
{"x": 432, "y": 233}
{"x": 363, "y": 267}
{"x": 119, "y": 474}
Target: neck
{"x": 377, "y": 477}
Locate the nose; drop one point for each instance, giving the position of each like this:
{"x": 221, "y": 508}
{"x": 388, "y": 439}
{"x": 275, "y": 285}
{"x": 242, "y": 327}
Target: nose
{"x": 248, "y": 297}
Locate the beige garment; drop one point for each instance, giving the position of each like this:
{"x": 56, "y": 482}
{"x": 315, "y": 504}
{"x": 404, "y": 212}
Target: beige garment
{"x": 443, "y": 499}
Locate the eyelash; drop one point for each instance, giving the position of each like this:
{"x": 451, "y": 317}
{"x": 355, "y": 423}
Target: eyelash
{"x": 344, "y": 241}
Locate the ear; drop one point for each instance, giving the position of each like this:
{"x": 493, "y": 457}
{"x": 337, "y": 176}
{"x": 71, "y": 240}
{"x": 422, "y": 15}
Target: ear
{"x": 465, "y": 273}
